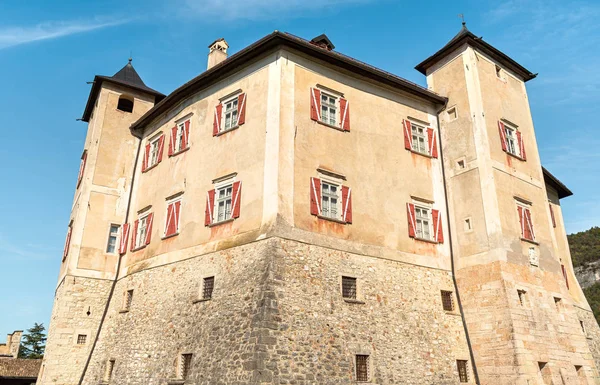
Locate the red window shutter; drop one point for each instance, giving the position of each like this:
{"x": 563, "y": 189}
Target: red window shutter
{"x": 186, "y": 135}
{"x": 315, "y": 196}
{"x": 347, "y": 204}
{"x": 521, "y": 221}
{"x": 502, "y": 136}
{"x": 177, "y": 214}
{"x": 124, "y": 238}
{"x": 407, "y": 134}
{"x": 412, "y": 224}
{"x": 217, "y": 122}
{"x": 242, "y": 109}
{"x": 521, "y": 145}
{"x": 564, "y": 272}
{"x": 67, "y": 243}
{"x": 170, "y": 225}
{"x": 345, "y": 114}
{"x": 433, "y": 148}
{"x": 315, "y": 104}
{"x": 210, "y": 204}
{"x": 81, "y": 168}
{"x": 173, "y": 139}
{"x": 552, "y": 215}
{"x": 134, "y": 234}
{"x": 237, "y": 199}
{"x": 146, "y": 157}
{"x": 149, "y": 228}
{"x": 161, "y": 146}
{"x": 438, "y": 232}
{"x": 529, "y": 233}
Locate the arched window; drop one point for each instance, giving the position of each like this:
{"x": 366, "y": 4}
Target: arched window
{"x": 125, "y": 104}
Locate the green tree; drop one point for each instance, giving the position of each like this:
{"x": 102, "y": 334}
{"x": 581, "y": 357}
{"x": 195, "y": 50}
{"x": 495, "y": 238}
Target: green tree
{"x": 585, "y": 246}
{"x": 33, "y": 343}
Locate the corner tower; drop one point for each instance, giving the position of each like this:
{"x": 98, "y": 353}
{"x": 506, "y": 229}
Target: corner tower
{"x": 524, "y": 314}
{"x": 91, "y": 252}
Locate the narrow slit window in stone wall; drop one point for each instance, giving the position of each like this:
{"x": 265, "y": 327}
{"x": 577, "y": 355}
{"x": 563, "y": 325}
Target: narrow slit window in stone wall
{"x": 522, "y": 297}
{"x": 349, "y": 287}
{"x": 185, "y": 363}
{"x": 110, "y": 365}
{"x": 362, "y": 367}
{"x": 128, "y": 300}
{"x": 582, "y": 326}
{"x": 447, "y": 300}
{"x": 463, "y": 373}
{"x": 208, "y": 287}
{"x": 557, "y": 303}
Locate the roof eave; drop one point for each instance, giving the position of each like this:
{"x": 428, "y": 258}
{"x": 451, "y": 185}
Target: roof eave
{"x": 562, "y": 190}
{"x": 483, "y": 46}
{"x": 272, "y": 42}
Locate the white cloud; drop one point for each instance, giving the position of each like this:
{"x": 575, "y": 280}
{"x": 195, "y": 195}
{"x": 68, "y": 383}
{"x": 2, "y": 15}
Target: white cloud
{"x": 12, "y": 36}
{"x": 261, "y": 9}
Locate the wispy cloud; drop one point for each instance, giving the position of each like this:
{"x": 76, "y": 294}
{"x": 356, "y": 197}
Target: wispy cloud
{"x": 33, "y": 252}
{"x": 12, "y": 36}
{"x": 261, "y": 9}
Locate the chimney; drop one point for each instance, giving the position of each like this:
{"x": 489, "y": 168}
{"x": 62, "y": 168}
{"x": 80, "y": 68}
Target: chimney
{"x": 14, "y": 342}
{"x": 217, "y": 53}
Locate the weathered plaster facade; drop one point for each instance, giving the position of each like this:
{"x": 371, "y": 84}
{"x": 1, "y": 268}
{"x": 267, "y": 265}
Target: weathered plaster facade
{"x": 276, "y": 315}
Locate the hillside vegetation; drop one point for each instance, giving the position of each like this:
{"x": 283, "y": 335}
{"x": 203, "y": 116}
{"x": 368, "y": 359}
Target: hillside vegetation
{"x": 585, "y": 246}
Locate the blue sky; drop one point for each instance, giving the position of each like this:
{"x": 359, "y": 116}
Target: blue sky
{"x": 48, "y": 50}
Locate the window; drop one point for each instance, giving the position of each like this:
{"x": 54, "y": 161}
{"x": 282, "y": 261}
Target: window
{"x": 67, "y": 241}
{"x": 580, "y": 372}
{"x": 328, "y": 108}
{"x": 330, "y": 200}
{"x": 424, "y": 223}
{"x": 185, "y": 364}
{"x": 179, "y": 140}
{"x": 447, "y": 300}
{"x": 208, "y": 287}
{"x": 463, "y": 373}
{"x": 142, "y": 231}
{"x": 419, "y": 138}
{"x": 452, "y": 113}
{"x": 558, "y": 303}
{"x": 545, "y": 372}
{"x": 582, "y": 327}
{"x": 362, "y": 367}
{"x": 110, "y": 366}
{"x": 460, "y": 164}
{"x": 153, "y": 153}
{"x": 349, "y": 287}
{"x": 127, "y": 300}
{"x": 552, "y": 215}
{"x": 81, "y": 339}
{"x": 522, "y": 297}
{"x": 512, "y": 140}
{"x": 81, "y": 167}
{"x": 468, "y": 226}
{"x": 564, "y": 272}
{"x": 113, "y": 235}
{"x": 223, "y": 203}
{"x": 125, "y": 104}
{"x": 172, "y": 217}
{"x": 525, "y": 222}
{"x": 230, "y": 114}
{"x": 498, "y": 71}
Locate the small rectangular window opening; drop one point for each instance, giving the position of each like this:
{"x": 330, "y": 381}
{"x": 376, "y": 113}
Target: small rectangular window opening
{"x": 522, "y": 297}
{"x": 330, "y": 200}
{"x": 113, "y": 235}
{"x": 362, "y": 367}
{"x": 463, "y": 373}
{"x": 349, "y": 287}
{"x": 558, "y": 303}
{"x": 468, "y": 226}
{"x": 110, "y": 365}
{"x": 498, "y": 71}
{"x": 128, "y": 300}
{"x": 208, "y": 287}
{"x": 545, "y": 372}
{"x": 81, "y": 339}
{"x": 452, "y": 113}
{"x": 185, "y": 363}
{"x": 582, "y": 326}
{"x": 579, "y": 370}
{"x": 447, "y": 300}
{"x": 461, "y": 164}
{"x": 420, "y": 141}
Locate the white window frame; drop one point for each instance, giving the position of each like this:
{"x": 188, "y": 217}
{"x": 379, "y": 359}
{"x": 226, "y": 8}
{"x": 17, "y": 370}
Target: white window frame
{"x": 419, "y": 227}
{"x": 179, "y": 136}
{"x": 225, "y": 102}
{"x": 153, "y": 152}
{"x": 335, "y": 106}
{"x": 116, "y": 235}
{"x": 170, "y": 202}
{"x": 223, "y": 185}
{"x": 525, "y": 206}
{"x": 337, "y": 196}
{"x": 415, "y": 135}
{"x": 140, "y": 237}
{"x": 512, "y": 141}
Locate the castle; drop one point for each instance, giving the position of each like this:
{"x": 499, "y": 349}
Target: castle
{"x": 295, "y": 216}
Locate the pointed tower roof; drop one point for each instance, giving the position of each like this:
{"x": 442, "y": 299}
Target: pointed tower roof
{"x": 126, "y": 76}
{"x": 465, "y": 36}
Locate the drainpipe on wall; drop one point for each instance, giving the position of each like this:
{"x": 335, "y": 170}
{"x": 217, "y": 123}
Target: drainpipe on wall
{"x": 114, "y": 283}
{"x": 460, "y": 308}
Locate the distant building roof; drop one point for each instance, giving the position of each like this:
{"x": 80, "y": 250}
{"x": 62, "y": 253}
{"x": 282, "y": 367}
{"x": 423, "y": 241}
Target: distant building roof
{"x": 318, "y": 49}
{"x": 126, "y": 76}
{"x": 466, "y": 36}
{"x": 19, "y": 368}
{"x": 563, "y": 191}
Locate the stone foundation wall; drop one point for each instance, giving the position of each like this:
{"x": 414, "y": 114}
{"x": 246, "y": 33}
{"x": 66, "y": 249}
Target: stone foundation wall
{"x": 64, "y": 358}
{"x": 277, "y": 317}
